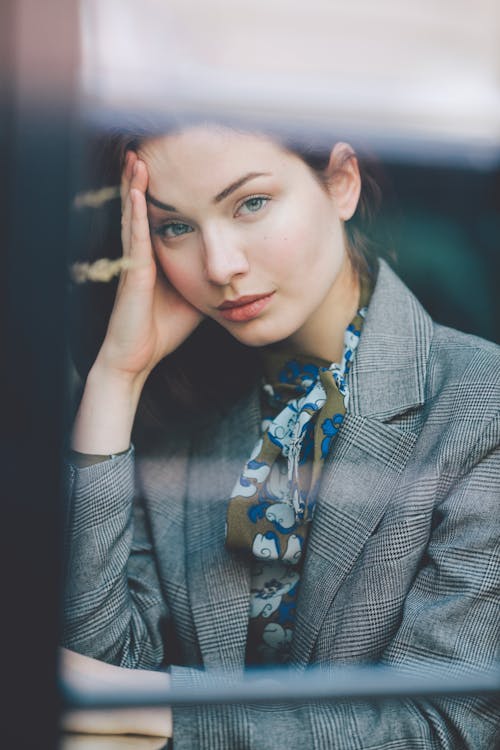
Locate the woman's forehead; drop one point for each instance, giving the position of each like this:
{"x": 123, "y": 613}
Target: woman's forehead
{"x": 211, "y": 157}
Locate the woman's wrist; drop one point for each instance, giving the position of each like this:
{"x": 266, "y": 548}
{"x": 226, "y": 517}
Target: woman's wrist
{"x": 104, "y": 421}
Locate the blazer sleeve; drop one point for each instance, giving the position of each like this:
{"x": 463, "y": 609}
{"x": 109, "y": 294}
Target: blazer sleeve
{"x": 113, "y": 609}
{"x": 450, "y": 623}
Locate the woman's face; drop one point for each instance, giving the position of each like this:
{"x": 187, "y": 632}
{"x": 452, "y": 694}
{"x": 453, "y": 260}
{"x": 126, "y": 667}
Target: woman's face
{"x": 247, "y": 234}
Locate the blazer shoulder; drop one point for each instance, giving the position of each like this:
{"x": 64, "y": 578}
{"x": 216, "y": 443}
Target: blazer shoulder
{"x": 464, "y": 371}
{"x": 462, "y": 354}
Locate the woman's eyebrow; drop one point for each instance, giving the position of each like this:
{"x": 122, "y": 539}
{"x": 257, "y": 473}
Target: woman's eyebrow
{"x": 218, "y": 198}
{"x": 238, "y": 183}
{"x": 159, "y": 204}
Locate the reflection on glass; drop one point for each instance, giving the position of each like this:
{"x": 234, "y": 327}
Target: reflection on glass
{"x": 278, "y": 458}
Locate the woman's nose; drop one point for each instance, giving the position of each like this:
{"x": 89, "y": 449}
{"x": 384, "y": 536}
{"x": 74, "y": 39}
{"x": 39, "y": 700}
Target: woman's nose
{"x": 225, "y": 256}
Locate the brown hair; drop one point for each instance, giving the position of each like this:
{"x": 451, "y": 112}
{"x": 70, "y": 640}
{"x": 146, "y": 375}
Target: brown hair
{"x": 186, "y": 379}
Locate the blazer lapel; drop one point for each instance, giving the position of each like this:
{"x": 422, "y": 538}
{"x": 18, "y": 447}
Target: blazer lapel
{"x": 218, "y": 580}
{"x": 387, "y": 379}
{"x": 356, "y": 487}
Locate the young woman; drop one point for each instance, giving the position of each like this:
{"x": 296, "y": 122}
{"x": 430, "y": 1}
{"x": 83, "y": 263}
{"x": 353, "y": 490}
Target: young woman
{"x": 337, "y": 504}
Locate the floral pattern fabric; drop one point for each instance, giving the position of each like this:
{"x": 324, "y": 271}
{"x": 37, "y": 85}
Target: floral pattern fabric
{"x": 272, "y": 504}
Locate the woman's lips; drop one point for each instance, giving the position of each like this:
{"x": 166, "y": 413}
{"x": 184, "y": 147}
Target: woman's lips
{"x": 244, "y": 308}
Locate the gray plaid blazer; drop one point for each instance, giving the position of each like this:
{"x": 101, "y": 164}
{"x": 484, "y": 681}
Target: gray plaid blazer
{"x": 403, "y": 560}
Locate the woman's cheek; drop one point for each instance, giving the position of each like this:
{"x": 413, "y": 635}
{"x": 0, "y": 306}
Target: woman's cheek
{"x": 292, "y": 248}
{"x": 281, "y": 239}
{"x": 183, "y": 277}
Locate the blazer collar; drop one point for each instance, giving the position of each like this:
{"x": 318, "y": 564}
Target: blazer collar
{"x": 389, "y": 369}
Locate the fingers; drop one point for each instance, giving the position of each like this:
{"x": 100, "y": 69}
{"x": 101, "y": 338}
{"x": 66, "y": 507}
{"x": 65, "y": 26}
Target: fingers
{"x": 134, "y": 175}
{"x": 140, "y": 240}
{"x": 127, "y": 174}
{"x": 135, "y": 225}
{"x": 128, "y": 166}
{"x": 139, "y": 175}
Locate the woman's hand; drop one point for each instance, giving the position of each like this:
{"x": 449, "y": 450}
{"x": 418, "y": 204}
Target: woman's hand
{"x": 83, "y": 673}
{"x": 149, "y": 321}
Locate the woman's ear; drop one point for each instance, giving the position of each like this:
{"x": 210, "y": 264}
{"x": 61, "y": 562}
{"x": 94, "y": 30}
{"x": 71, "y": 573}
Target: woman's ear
{"x": 344, "y": 180}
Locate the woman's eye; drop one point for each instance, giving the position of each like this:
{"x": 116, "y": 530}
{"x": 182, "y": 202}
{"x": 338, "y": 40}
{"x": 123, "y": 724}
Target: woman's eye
{"x": 252, "y": 205}
{"x": 173, "y": 229}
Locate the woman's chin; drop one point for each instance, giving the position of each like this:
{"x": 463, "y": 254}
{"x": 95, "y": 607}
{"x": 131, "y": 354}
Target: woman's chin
{"x": 256, "y": 333}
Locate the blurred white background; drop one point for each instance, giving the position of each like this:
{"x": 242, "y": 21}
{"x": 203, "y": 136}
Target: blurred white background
{"x": 412, "y": 74}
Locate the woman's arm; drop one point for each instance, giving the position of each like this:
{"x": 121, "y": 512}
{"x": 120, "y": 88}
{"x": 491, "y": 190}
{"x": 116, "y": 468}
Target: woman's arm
{"x": 110, "y": 613}
{"x": 149, "y": 320}
{"x": 83, "y": 673}
{"x": 114, "y": 609}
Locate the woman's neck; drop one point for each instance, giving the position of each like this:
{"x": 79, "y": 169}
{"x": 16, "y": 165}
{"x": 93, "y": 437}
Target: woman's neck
{"x": 322, "y": 335}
